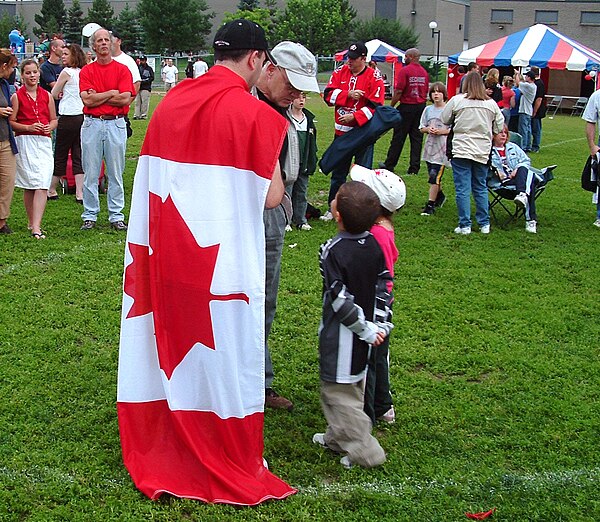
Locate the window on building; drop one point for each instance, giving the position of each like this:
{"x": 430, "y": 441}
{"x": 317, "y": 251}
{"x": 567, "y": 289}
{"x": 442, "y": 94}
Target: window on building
{"x": 502, "y": 16}
{"x": 546, "y": 17}
{"x": 385, "y": 9}
{"x": 590, "y": 18}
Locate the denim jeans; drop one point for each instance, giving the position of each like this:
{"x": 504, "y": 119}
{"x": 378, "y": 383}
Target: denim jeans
{"x": 364, "y": 158}
{"x": 536, "y": 133}
{"x": 103, "y": 139}
{"x": 525, "y": 131}
{"x": 470, "y": 176}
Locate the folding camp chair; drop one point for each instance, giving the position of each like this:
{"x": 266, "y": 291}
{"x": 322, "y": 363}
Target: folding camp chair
{"x": 500, "y": 195}
{"x": 554, "y": 104}
{"x": 579, "y": 106}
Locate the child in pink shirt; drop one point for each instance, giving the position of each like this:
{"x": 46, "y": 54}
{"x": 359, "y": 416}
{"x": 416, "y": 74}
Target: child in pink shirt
{"x": 392, "y": 195}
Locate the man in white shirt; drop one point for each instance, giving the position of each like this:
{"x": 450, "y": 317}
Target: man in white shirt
{"x": 200, "y": 67}
{"x": 528, "y": 88}
{"x": 170, "y": 75}
{"x": 121, "y": 57}
{"x": 591, "y": 115}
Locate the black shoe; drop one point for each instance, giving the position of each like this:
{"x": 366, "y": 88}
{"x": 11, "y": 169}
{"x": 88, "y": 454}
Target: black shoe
{"x": 88, "y": 225}
{"x": 411, "y": 172}
{"x": 440, "y": 200}
{"x": 119, "y": 225}
{"x": 428, "y": 210}
{"x": 382, "y": 165}
{"x": 52, "y": 198}
{"x": 6, "y": 229}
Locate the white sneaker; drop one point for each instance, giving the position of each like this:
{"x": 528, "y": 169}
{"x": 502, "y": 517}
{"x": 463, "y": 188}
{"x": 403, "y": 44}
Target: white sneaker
{"x": 288, "y": 228}
{"x": 597, "y": 223}
{"x": 389, "y": 416}
{"x": 319, "y": 438}
{"x": 531, "y": 226}
{"x": 521, "y": 200}
{"x": 304, "y": 226}
{"x": 346, "y": 462}
{"x": 484, "y": 229}
{"x": 465, "y": 231}
{"x": 328, "y": 216}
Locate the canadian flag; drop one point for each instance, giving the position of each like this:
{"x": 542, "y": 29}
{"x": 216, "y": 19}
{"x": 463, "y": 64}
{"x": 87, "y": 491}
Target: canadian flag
{"x": 191, "y": 363}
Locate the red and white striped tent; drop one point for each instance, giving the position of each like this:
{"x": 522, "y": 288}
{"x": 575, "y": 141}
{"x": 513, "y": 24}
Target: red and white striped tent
{"x": 538, "y": 45}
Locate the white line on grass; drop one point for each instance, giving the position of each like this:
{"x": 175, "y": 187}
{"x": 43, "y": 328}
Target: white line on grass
{"x": 500, "y": 483}
{"x": 504, "y": 482}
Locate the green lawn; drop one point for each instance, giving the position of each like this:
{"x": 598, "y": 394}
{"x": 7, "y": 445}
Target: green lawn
{"x": 494, "y": 363}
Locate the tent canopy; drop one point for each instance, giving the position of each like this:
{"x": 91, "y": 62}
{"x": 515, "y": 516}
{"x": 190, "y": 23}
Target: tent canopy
{"x": 377, "y": 51}
{"x": 538, "y": 45}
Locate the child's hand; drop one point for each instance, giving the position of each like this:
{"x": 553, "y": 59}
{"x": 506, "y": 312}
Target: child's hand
{"x": 380, "y": 338}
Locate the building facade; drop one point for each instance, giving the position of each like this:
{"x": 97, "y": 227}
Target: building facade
{"x": 461, "y": 23}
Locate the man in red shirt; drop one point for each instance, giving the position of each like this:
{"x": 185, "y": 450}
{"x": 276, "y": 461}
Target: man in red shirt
{"x": 106, "y": 89}
{"x": 410, "y": 89}
{"x": 354, "y": 89}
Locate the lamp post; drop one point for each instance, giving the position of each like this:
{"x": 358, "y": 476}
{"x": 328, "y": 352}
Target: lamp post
{"x": 433, "y": 26}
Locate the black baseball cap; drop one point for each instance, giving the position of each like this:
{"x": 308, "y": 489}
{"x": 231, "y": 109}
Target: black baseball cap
{"x": 116, "y": 33}
{"x": 531, "y": 74}
{"x": 242, "y": 34}
{"x": 143, "y": 57}
{"x": 356, "y": 50}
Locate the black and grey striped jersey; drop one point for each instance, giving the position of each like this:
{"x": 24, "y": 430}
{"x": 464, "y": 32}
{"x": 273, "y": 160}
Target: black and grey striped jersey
{"x": 355, "y": 304}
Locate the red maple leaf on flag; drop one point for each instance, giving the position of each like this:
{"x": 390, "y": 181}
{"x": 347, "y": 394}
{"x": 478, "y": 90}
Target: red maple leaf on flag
{"x": 174, "y": 284}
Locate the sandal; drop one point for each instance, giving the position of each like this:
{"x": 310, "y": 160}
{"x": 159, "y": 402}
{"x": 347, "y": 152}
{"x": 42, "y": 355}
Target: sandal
{"x": 38, "y": 235}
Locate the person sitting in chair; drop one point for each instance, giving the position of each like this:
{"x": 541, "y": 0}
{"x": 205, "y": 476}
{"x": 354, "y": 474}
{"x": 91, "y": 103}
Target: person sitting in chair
{"x": 513, "y": 168}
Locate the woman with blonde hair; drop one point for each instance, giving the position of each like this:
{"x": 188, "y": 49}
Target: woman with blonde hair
{"x": 8, "y": 145}
{"x": 33, "y": 119}
{"x": 474, "y": 118}
{"x": 492, "y": 85}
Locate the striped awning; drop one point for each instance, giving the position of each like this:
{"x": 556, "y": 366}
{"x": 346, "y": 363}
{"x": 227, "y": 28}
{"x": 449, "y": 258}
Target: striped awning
{"x": 538, "y": 45}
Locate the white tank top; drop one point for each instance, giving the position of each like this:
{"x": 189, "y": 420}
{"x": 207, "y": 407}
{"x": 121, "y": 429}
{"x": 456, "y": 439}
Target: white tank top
{"x": 70, "y": 103}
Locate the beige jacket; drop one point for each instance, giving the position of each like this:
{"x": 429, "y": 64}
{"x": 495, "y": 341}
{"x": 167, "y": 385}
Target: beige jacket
{"x": 473, "y": 123}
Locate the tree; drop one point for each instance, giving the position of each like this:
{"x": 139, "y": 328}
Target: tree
{"x": 101, "y": 13}
{"x": 323, "y": 26}
{"x": 51, "y": 18}
{"x": 247, "y": 5}
{"x": 175, "y": 25}
{"x": 74, "y": 23}
{"x": 130, "y": 30}
{"x": 390, "y": 31}
{"x": 8, "y": 23}
{"x": 262, "y": 16}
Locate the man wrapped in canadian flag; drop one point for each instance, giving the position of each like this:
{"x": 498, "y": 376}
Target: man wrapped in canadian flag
{"x": 355, "y": 90}
{"x": 190, "y": 393}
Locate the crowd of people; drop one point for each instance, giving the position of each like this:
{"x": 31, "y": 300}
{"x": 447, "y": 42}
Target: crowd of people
{"x": 70, "y": 114}
{"x": 266, "y": 159}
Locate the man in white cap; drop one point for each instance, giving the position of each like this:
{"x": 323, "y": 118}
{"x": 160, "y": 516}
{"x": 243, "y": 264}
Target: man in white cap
{"x": 292, "y": 71}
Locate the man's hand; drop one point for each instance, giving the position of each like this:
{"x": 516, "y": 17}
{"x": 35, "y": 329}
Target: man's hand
{"x": 356, "y": 94}
{"x": 347, "y": 119}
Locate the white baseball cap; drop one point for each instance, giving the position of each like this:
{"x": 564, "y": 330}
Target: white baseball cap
{"x": 390, "y": 188}
{"x": 299, "y": 63}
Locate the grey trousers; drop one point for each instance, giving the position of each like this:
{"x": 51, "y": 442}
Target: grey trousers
{"x": 348, "y": 426}
{"x": 275, "y": 220}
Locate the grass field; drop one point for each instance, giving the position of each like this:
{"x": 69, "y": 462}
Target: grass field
{"x": 494, "y": 363}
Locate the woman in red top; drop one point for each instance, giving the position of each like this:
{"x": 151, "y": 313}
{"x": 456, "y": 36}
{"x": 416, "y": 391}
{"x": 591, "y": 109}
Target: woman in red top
{"x": 33, "y": 119}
